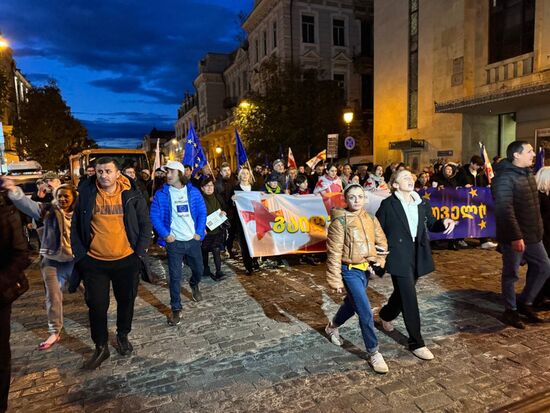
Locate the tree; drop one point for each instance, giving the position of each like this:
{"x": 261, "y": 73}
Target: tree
{"x": 295, "y": 108}
{"x": 4, "y": 94}
{"x": 47, "y": 131}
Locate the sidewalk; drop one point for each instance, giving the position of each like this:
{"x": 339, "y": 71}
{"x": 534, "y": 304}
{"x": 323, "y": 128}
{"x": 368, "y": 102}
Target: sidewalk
{"x": 255, "y": 344}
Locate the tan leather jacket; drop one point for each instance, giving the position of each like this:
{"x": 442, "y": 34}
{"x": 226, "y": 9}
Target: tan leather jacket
{"x": 352, "y": 237}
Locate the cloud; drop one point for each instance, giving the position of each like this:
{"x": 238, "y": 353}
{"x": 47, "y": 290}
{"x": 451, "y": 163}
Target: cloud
{"x": 154, "y": 47}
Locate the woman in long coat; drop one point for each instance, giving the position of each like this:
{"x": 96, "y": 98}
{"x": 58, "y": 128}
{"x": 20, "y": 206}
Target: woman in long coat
{"x": 406, "y": 220}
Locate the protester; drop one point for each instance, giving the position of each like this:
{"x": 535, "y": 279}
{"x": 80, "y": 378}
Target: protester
{"x": 225, "y": 185}
{"x": 390, "y": 169}
{"x": 519, "y": 232}
{"x": 473, "y": 175}
{"x": 447, "y": 177}
{"x": 422, "y": 181}
{"x": 346, "y": 175}
{"x": 543, "y": 185}
{"x": 272, "y": 184}
{"x": 330, "y": 182}
{"x": 291, "y": 180}
{"x": 90, "y": 171}
{"x": 214, "y": 239}
{"x": 406, "y": 219}
{"x": 13, "y": 261}
{"x": 353, "y": 237}
{"x": 110, "y": 231}
{"x": 178, "y": 214}
{"x": 279, "y": 172}
{"x": 376, "y": 180}
{"x": 301, "y": 186}
{"x": 55, "y": 248}
{"x": 318, "y": 173}
{"x": 130, "y": 172}
{"x": 363, "y": 173}
{"x": 250, "y": 264}
{"x": 157, "y": 182}
{"x": 42, "y": 193}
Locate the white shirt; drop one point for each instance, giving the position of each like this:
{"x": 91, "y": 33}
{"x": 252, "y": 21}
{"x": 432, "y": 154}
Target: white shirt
{"x": 183, "y": 226}
{"x": 411, "y": 211}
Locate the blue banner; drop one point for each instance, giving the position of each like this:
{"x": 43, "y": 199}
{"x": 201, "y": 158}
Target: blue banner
{"x": 471, "y": 207}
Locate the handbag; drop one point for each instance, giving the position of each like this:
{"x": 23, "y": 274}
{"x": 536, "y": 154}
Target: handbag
{"x": 14, "y": 290}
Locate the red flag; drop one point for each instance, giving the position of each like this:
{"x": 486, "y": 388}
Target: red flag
{"x": 291, "y": 161}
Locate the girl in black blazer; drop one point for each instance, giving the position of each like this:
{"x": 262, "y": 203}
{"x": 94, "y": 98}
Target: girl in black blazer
{"x": 406, "y": 220}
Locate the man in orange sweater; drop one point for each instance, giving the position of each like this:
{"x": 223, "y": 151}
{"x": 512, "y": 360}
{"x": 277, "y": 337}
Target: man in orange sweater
{"x": 110, "y": 235}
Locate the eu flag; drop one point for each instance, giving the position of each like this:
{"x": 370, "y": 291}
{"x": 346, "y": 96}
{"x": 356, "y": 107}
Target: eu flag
{"x": 539, "y": 161}
{"x": 241, "y": 153}
{"x": 194, "y": 153}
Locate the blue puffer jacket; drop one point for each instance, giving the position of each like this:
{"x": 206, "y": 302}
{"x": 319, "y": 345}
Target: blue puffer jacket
{"x": 161, "y": 211}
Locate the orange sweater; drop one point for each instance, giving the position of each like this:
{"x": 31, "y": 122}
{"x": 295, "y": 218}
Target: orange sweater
{"x": 109, "y": 239}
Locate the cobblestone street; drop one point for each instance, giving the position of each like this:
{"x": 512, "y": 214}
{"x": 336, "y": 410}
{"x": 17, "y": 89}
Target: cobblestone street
{"x": 256, "y": 344}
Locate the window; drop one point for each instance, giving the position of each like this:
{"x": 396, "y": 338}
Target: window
{"x": 340, "y": 79}
{"x": 308, "y": 29}
{"x": 274, "y": 35}
{"x": 412, "y": 96}
{"x": 367, "y": 92}
{"x": 511, "y": 28}
{"x": 245, "y": 83}
{"x": 264, "y": 38}
{"x": 367, "y": 36}
{"x": 257, "y": 47}
{"x": 338, "y": 30}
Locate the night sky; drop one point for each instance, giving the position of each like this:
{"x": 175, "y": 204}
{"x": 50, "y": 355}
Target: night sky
{"x": 122, "y": 66}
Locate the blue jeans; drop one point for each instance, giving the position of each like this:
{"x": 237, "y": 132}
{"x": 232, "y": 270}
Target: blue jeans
{"x": 356, "y": 301}
{"x": 177, "y": 251}
{"x": 538, "y": 271}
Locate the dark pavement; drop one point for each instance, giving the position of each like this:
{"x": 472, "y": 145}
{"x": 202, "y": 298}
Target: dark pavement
{"x": 255, "y": 344}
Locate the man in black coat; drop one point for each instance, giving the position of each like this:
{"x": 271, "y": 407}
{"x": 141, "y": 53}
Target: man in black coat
{"x": 13, "y": 260}
{"x": 110, "y": 232}
{"x": 472, "y": 174}
{"x": 406, "y": 219}
{"x": 225, "y": 187}
{"x": 519, "y": 232}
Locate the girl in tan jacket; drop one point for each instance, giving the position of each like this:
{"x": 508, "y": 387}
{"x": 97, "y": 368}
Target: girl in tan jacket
{"x": 353, "y": 240}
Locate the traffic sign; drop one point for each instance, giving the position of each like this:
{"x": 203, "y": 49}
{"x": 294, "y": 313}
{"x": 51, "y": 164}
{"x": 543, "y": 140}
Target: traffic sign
{"x": 349, "y": 143}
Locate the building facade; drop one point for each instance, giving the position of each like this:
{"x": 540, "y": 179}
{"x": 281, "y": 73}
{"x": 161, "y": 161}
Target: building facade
{"x": 332, "y": 37}
{"x": 16, "y": 91}
{"x": 451, "y": 74}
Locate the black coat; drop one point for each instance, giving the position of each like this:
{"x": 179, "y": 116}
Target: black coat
{"x": 465, "y": 177}
{"x": 401, "y": 261}
{"x": 517, "y": 208}
{"x": 136, "y": 219}
{"x": 14, "y": 255}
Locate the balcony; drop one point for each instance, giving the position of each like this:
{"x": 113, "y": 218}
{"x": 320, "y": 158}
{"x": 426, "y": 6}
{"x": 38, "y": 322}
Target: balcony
{"x": 508, "y": 69}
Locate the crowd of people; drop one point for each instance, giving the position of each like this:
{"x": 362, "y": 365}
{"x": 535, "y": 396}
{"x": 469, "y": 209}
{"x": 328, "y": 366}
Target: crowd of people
{"x": 99, "y": 232}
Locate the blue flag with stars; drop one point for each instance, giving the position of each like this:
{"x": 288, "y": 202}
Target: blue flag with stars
{"x": 194, "y": 153}
{"x": 242, "y": 158}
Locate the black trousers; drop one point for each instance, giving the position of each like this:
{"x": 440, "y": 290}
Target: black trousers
{"x": 98, "y": 276}
{"x": 5, "y": 356}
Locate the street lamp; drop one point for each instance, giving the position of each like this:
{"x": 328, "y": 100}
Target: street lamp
{"x": 3, "y": 43}
{"x": 219, "y": 150}
{"x": 348, "y": 118}
{"x": 245, "y": 104}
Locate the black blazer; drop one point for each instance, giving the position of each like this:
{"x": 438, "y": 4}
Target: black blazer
{"x": 401, "y": 260}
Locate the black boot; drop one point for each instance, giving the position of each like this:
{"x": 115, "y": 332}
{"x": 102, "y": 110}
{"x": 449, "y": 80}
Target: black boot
{"x": 512, "y": 318}
{"x": 527, "y": 311}
{"x": 124, "y": 347}
{"x": 101, "y": 354}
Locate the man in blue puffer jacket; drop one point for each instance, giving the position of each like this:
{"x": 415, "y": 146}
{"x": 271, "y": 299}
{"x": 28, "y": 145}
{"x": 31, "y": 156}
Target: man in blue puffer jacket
{"x": 178, "y": 215}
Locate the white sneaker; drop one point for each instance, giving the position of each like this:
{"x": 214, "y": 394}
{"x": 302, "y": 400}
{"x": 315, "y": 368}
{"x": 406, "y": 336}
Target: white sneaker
{"x": 378, "y": 364}
{"x": 489, "y": 245}
{"x": 423, "y": 353}
{"x": 387, "y": 325}
{"x": 463, "y": 244}
{"x": 333, "y": 334}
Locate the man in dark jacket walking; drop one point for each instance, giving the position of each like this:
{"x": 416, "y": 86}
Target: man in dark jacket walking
{"x": 110, "y": 231}
{"x": 13, "y": 260}
{"x": 519, "y": 231}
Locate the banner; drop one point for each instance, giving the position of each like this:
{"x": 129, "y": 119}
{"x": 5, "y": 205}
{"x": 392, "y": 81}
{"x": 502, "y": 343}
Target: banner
{"x": 290, "y": 224}
{"x": 471, "y": 207}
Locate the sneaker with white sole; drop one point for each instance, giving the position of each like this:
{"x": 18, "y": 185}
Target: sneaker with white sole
{"x": 377, "y": 363}
{"x": 423, "y": 353}
{"x": 489, "y": 245}
{"x": 333, "y": 334}
{"x": 387, "y": 325}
